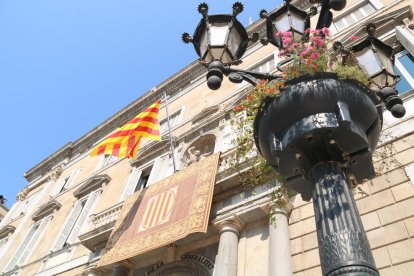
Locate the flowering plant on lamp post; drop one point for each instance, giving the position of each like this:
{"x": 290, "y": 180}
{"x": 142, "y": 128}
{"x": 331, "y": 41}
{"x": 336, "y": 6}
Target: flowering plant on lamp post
{"x": 300, "y": 57}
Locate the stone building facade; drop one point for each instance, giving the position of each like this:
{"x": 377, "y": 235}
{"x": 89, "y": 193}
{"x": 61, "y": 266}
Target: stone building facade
{"x": 63, "y": 217}
{"x": 3, "y": 211}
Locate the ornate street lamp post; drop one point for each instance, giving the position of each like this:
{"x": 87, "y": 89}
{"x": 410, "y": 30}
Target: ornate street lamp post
{"x": 329, "y": 135}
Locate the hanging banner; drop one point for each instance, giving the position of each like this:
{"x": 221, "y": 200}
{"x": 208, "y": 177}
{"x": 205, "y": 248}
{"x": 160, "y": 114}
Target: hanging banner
{"x": 166, "y": 211}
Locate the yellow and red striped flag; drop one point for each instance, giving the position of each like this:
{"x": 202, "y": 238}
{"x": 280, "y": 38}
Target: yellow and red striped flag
{"x": 125, "y": 141}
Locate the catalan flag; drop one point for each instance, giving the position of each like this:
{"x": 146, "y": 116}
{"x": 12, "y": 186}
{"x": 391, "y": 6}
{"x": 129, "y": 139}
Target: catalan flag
{"x": 125, "y": 141}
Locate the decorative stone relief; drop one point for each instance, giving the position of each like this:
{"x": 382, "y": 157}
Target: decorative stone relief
{"x": 199, "y": 149}
{"x": 55, "y": 173}
{"x": 6, "y": 231}
{"x": 23, "y": 194}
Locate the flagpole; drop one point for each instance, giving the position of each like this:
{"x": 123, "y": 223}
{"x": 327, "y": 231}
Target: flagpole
{"x": 169, "y": 131}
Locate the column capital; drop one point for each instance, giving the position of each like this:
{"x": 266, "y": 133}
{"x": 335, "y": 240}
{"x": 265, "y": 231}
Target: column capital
{"x": 284, "y": 207}
{"x": 231, "y": 223}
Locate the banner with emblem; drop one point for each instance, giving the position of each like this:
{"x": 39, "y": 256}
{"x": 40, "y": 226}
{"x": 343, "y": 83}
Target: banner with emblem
{"x": 166, "y": 211}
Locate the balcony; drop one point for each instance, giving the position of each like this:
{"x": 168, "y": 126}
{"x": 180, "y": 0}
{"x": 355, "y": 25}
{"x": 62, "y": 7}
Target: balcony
{"x": 101, "y": 225}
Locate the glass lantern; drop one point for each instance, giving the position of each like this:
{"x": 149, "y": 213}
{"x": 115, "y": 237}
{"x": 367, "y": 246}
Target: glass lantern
{"x": 288, "y": 18}
{"x": 376, "y": 58}
{"x": 220, "y": 37}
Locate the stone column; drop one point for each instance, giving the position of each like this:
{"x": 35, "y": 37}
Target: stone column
{"x": 280, "y": 260}
{"x": 226, "y": 263}
{"x": 120, "y": 270}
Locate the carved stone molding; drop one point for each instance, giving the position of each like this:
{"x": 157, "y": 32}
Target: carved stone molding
{"x": 46, "y": 210}
{"x": 284, "y": 207}
{"x": 205, "y": 114}
{"x": 231, "y": 223}
{"x": 150, "y": 151}
{"x": 7, "y": 231}
{"x": 55, "y": 173}
{"x": 23, "y": 194}
{"x": 92, "y": 184}
{"x": 383, "y": 23}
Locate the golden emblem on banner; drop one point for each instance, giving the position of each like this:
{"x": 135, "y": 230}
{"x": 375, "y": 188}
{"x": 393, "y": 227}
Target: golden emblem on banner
{"x": 166, "y": 211}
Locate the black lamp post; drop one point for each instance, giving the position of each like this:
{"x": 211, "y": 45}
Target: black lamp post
{"x": 319, "y": 133}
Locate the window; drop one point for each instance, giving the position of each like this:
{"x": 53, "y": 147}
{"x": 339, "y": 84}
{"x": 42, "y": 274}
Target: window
{"x": 65, "y": 183}
{"x": 143, "y": 180}
{"x": 76, "y": 216}
{"x": 75, "y": 221}
{"x": 108, "y": 159}
{"x": 265, "y": 66}
{"x": 174, "y": 121}
{"x": 352, "y": 17}
{"x": 137, "y": 180}
{"x": 105, "y": 161}
{"x": 404, "y": 66}
{"x": 24, "y": 206}
{"x": 27, "y": 244}
{"x": 162, "y": 167}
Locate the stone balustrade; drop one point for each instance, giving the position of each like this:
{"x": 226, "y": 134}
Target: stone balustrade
{"x": 105, "y": 217}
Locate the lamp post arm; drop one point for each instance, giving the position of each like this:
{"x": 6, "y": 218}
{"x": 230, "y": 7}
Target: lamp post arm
{"x": 217, "y": 69}
{"x": 254, "y": 78}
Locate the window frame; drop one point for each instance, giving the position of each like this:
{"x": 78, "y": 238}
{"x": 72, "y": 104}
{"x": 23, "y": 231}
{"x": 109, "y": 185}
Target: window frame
{"x": 175, "y": 120}
{"x": 404, "y": 72}
{"x": 29, "y": 243}
{"x": 351, "y": 13}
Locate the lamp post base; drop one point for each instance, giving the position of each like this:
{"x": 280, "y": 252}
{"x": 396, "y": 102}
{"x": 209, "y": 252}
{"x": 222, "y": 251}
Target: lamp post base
{"x": 343, "y": 245}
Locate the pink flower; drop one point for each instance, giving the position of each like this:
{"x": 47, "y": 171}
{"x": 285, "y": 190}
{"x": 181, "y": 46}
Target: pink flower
{"x": 295, "y": 44}
{"x": 287, "y": 34}
{"x": 354, "y": 37}
{"x": 279, "y": 34}
{"x": 281, "y": 53}
{"x": 314, "y": 56}
{"x": 307, "y": 30}
{"x": 318, "y": 41}
{"x": 326, "y": 31}
{"x": 287, "y": 40}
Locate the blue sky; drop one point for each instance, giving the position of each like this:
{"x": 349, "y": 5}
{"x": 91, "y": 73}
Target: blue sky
{"x": 67, "y": 65}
